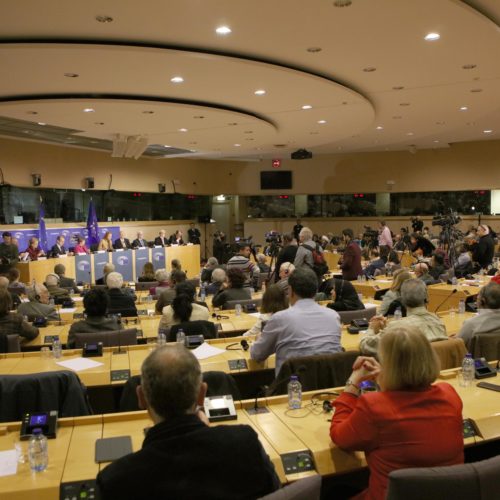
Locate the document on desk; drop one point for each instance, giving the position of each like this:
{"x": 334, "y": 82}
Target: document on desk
{"x": 77, "y": 299}
{"x": 255, "y": 315}
{"x": 79, "y": 364}
{"x": 205, "y": 351}
{"x": 8, "y": 463}
{"x": 67, "y": 310}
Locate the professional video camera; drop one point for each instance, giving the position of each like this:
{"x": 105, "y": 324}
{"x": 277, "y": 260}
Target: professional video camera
{"x": 447, "y": 220}
{"x": 273, "y": 237}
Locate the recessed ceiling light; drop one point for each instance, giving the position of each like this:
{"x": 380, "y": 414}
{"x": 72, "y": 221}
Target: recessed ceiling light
{"x": 166, "y": 146}
{"x": 469, "y": 66}
{"x": 98, "y": 123}
{"x": 198, "y": 117}
{"x": 404, "y": 103}
{"x": 42, "y": 123}
{"x": 88, "y": 110}
{"x": 379, "y": 127}
{"x": 432, "y": 37}
{"x": 177, "y": 79}
{"x": 436, "y": 141}
{"x": 260, "y": 92}
{"x": 31, "y": 112}
{"x": 71, "y": 75}
{"x": 342, "y": 3}
{"x": 397, "y": 117}
{"x": 476, "y": 90}
{"x": 487, "y": 131}
{"x": 183, "y": 130}
{"x": 223, "y": 30}
{"x": 193, "y": 143}
{"x": 313, "y": 50}
{"x": 307, "y": 106}
{"x": 409, "y": 133}
{"x": 249, "y": 139}
{"x": 232, "y": 124}
{"x": 236, "y": 145}
{"x": 439, "y": 123}
{"x": 369, "y": 69}
{"x": 398, "y": 87}
{"x": 147, "y": 112}
{"x": 248, "y": 132}
{"x": 464, "y": 108}
{"x": 104, "y": 19}
{"x": 321, "y": 122}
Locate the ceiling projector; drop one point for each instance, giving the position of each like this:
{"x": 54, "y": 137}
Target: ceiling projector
{"x": 302, "y": 154}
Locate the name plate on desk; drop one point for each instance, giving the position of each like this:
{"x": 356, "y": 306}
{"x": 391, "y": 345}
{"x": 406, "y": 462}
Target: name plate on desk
{"x": 78, "y": 316}
{"x": 469, "y": 428}
{"x": 49, "y": 339}
{"x": 78, "y": 489}
{"x": 238, "y": 364}
{"x": 119, "y": 375}
{"x": 297, "y": 461}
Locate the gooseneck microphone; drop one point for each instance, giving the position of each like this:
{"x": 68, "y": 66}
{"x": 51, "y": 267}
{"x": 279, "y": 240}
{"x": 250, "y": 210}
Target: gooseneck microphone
{"x": 446, "y": 298}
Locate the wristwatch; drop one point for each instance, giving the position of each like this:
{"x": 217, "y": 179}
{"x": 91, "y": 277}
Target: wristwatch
{"x": 350, "y": 383}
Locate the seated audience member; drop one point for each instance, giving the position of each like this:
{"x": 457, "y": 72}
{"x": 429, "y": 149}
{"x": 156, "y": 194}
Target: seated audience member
{"x": 437, "y": 266}
{"x": 120, "y": 302}
{"x": 304, "y": 329}
{"x": 176, "y": 238}
{"x": 393, "y": 263}
{"x": 122, "y": 242}
{"x": 12, "y": 323}
{"x": 58, "y": 248}
{"x": 80, "y": 247}
{"x": 421, "y": 246}
{"x": 377, "y": 262}
{"x": 172, "y": 391}
{"x": 106, "y": 243}
{"x": 350, "y": 263}
{"x": 183, "y": 307}
{"x": 9, "y": 252}
{"x": 108, "y": 268}
{"x": 287, "y": 253}
{"x": 65, "y": 282}
{"x": 38, "y": 305}
{"x": 242, "y": 262}
{"x": 139, "y": 242}
{"x": 161, "y": 240}
{"x": 175, "y": 265}
{"x": 232, "y": 289}
{"x": 148, "y": 273}
{"x": 95, "y": 304}
{"x": 261, "y": 262}
{"x": 422, "y": 273}
{"x": 286, "y": 270}
{"x": 394, "y": 293}
{"x": 414, "y": 298}
{"x": 4, "y": 284}
{"x": 56, "y": 292}
{"x": 206, "y": 272}
{"x": 164, "y": 283}
{"x": 274, "y": 300}
{"x": 344, "y": 296}
{"x": 218, "y": 277}
{"x": 33, "y": 252}
{"x": 488, "y": 318}
{"x": 15, "y": 286}
{"x": 463, "y": 266}
{"x": 410, "y": 422}
{"x": 168, "y": 294}
{"x": 484, "y": 250}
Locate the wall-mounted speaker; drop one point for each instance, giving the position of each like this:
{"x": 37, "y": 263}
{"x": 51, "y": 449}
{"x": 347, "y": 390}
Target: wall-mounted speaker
{"x": 161, "y": 188}
{"x": 37, "y": 179}
{"x": 89, "y": 182}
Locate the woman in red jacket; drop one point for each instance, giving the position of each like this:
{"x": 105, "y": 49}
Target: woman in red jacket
{"x": 410, "y": 423}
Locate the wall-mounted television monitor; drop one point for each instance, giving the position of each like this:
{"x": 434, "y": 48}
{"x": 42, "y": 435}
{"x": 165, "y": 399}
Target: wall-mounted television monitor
{"x": 276, "y": 179}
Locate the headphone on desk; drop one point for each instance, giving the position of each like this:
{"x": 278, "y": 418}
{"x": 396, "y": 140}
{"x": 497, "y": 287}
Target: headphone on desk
{"x": 219, "y": 316}
{"x": 325, "y": 403}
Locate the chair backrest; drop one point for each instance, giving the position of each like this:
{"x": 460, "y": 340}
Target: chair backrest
{"x": 486, "y": 345}
{"x": 322, "y": 371}
{"x": 13, "y": 343}
{"x": 347, "y": 316}
{"x": 199, "y": 327}
{"x": 304, "y": 489}
{"x": 450, "y": 352}
{"x": 194, "y": 281}
{"x": 474, "y": 481}
{"x": 145, "y": 285}
{"x": 15, "y": 290}
{"x": 230, "y": 304}
{"x": 110, "y": 338}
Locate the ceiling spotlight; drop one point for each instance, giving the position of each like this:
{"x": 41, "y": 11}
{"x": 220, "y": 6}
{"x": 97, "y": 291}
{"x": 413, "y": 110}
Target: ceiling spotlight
{"x": 369, "y": 69}
{"x": 88, "y": 110}
{"x": 98, "y": 123}
{"x": 379, "y": 127}
{"x": 342, "y": 3}
{"x": 476, "y": 90}
{"x": 321, "y": 122}
{"x": 469, "y": 66}
{"x": 198, "y": 117}
{"x": 398, "y": 87}
{"x": 104, "y": 19}
{"x": 409, "y": 133}
{"x": 260, "y": 92}
{"x": 236, "y": 145}
{"x": 166, "y": 146}
{"x": 232, "y": 124}
{"x": 404, "y": 104}
{"x": 31, "y": 112}
{"x": 397, "y": 117}
{"x": 432, "y": 37}
{"x": 439, "y": 123}
{"x": 248, "y": 132}
{"x": 71, "y": 75}
{"x": 183, "y": 130}
{"x": 487, "y": 131}
{"x": 223, "y": 30}
{"x": 177, "y": 79}
{"x": 313, "y": 50}
{"x": 307, "y": 106}
{"x": 464, "y": 108}
{"x": 42, "y": 123}
{"x": 436, "y": 141}
{"x": 147, "y": 112}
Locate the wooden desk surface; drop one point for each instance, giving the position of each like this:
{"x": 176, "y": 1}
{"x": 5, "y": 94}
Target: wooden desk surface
{"x": 370, "y": 287}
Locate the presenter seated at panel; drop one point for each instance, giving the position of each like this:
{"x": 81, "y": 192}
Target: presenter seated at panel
{"x": 12, "y": 323}
{"x": 176, "y": 238}
{"x": 55, "y": 291}
{"x": 108, "y": 268}
{"x": 120, "y": 302}
{"x": 193, "y": 234}
{"x": 182, "y": 457}
{"x": 9, "y": 253}
{"x": 161, "y": 240}
{"x": 414, "y": 298}
{"x": 15, "y": 286}
{"x": 350, "y": 263}
{"x": 58, "y": 248}
{"x": 409, "y": 423}
{"x": 80, "y": 247}
{"x": 106, "y": 243}
{"x": 344, "y": 296}
{"x": 304, "y": 329}
{"x": 33, "y": 252}
{"x": 167, "y": 295}
{"x": 95, "y": 304}
{"x": 488, "y": 318}
{"x": 218, "y": 277}
{"x": 183, "y": 307}
{"x": 65, "y": 282}
{"x": 38, "y": 305}
{"x": 4, "y": 284}
{"x": 274, "y": 300}
{"x": 139, "y": 242}
{"x": 148, "y": 273}
{"x": 394, "y": 293}
{"x": 122, "y": 242}
{"x": 232, "y": 289}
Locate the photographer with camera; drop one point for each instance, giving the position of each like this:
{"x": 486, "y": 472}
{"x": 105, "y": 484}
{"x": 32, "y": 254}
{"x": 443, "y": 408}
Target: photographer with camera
{"x": 417, "y": 224}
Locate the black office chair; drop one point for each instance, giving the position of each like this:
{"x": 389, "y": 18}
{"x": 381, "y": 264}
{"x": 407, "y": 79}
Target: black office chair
{"x": 206, "y": 328}
{"x": 347, "y": 316}
{"x": 304, "y": 489}
{"x": 145, "y": 285}
{"x": 486, "y": 345}
{"x": 111, "y": 338}
{"x": 230, "y": 304}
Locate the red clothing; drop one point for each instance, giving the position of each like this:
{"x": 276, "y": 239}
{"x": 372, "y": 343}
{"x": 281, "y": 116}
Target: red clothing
{"x": 81, "y": 249}
{"x": 400, "y": 429}
{"x": 34, "y": 253}
{"x": 351, "y": 262}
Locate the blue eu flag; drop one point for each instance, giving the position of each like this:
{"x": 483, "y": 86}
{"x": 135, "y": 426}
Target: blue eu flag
{"x": 42, "y": 232}
{"x": 92, "y": 227}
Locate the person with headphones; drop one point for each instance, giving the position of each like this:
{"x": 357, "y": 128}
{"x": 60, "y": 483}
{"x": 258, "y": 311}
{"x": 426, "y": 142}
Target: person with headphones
{"x": 414, "y": 298}
{"x": 344, "y": 296}
{"x": 38, "y": 305}
{"x": 286, "y": 269}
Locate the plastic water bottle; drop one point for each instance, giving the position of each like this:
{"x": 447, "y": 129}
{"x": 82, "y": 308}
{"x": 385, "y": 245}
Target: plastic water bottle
{"x": 398, "y": 314}
{"x": 162, "y": 336}
{"x": 294, "y": 393}
{"x": 468, "y": 370}
{"x": 52, "y": 302}
{"x": 454, "y": 280}
{"x": 57, "y": 348}
{"x": 38, "y": 451}
{"x": 203, "y": 293}
{"x": 181, "y": 337}
{"x": 237, "y": 309}
{"x": 461, "y": 306}
{"x": 359, "y": 278}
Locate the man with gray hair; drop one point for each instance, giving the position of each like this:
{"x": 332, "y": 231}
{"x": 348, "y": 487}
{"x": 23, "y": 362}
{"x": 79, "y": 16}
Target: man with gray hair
{"x": 38, "y": 305}
{"x": 56, "y": 292}
{"x": 414, "y": 298}
{"x": 304, "y": 257}
{"x": 120, "y": 302}
{"x": 422, "y": 273}
{"x": 181, "y": 456}
{"x": 108, "y": 268}
{"x": 488, "y": 318}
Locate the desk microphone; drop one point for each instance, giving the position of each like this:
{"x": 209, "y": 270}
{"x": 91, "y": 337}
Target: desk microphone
{"x": 119, "y": 350}
{"x": 447, "y": 297}
{"x": 261, "y": 391}
{"x": 58, "y": 313}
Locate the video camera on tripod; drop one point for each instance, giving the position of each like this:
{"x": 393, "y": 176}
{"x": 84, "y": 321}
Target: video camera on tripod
{"x": 447, "y": 220}
{"x": 274, "y": 240}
